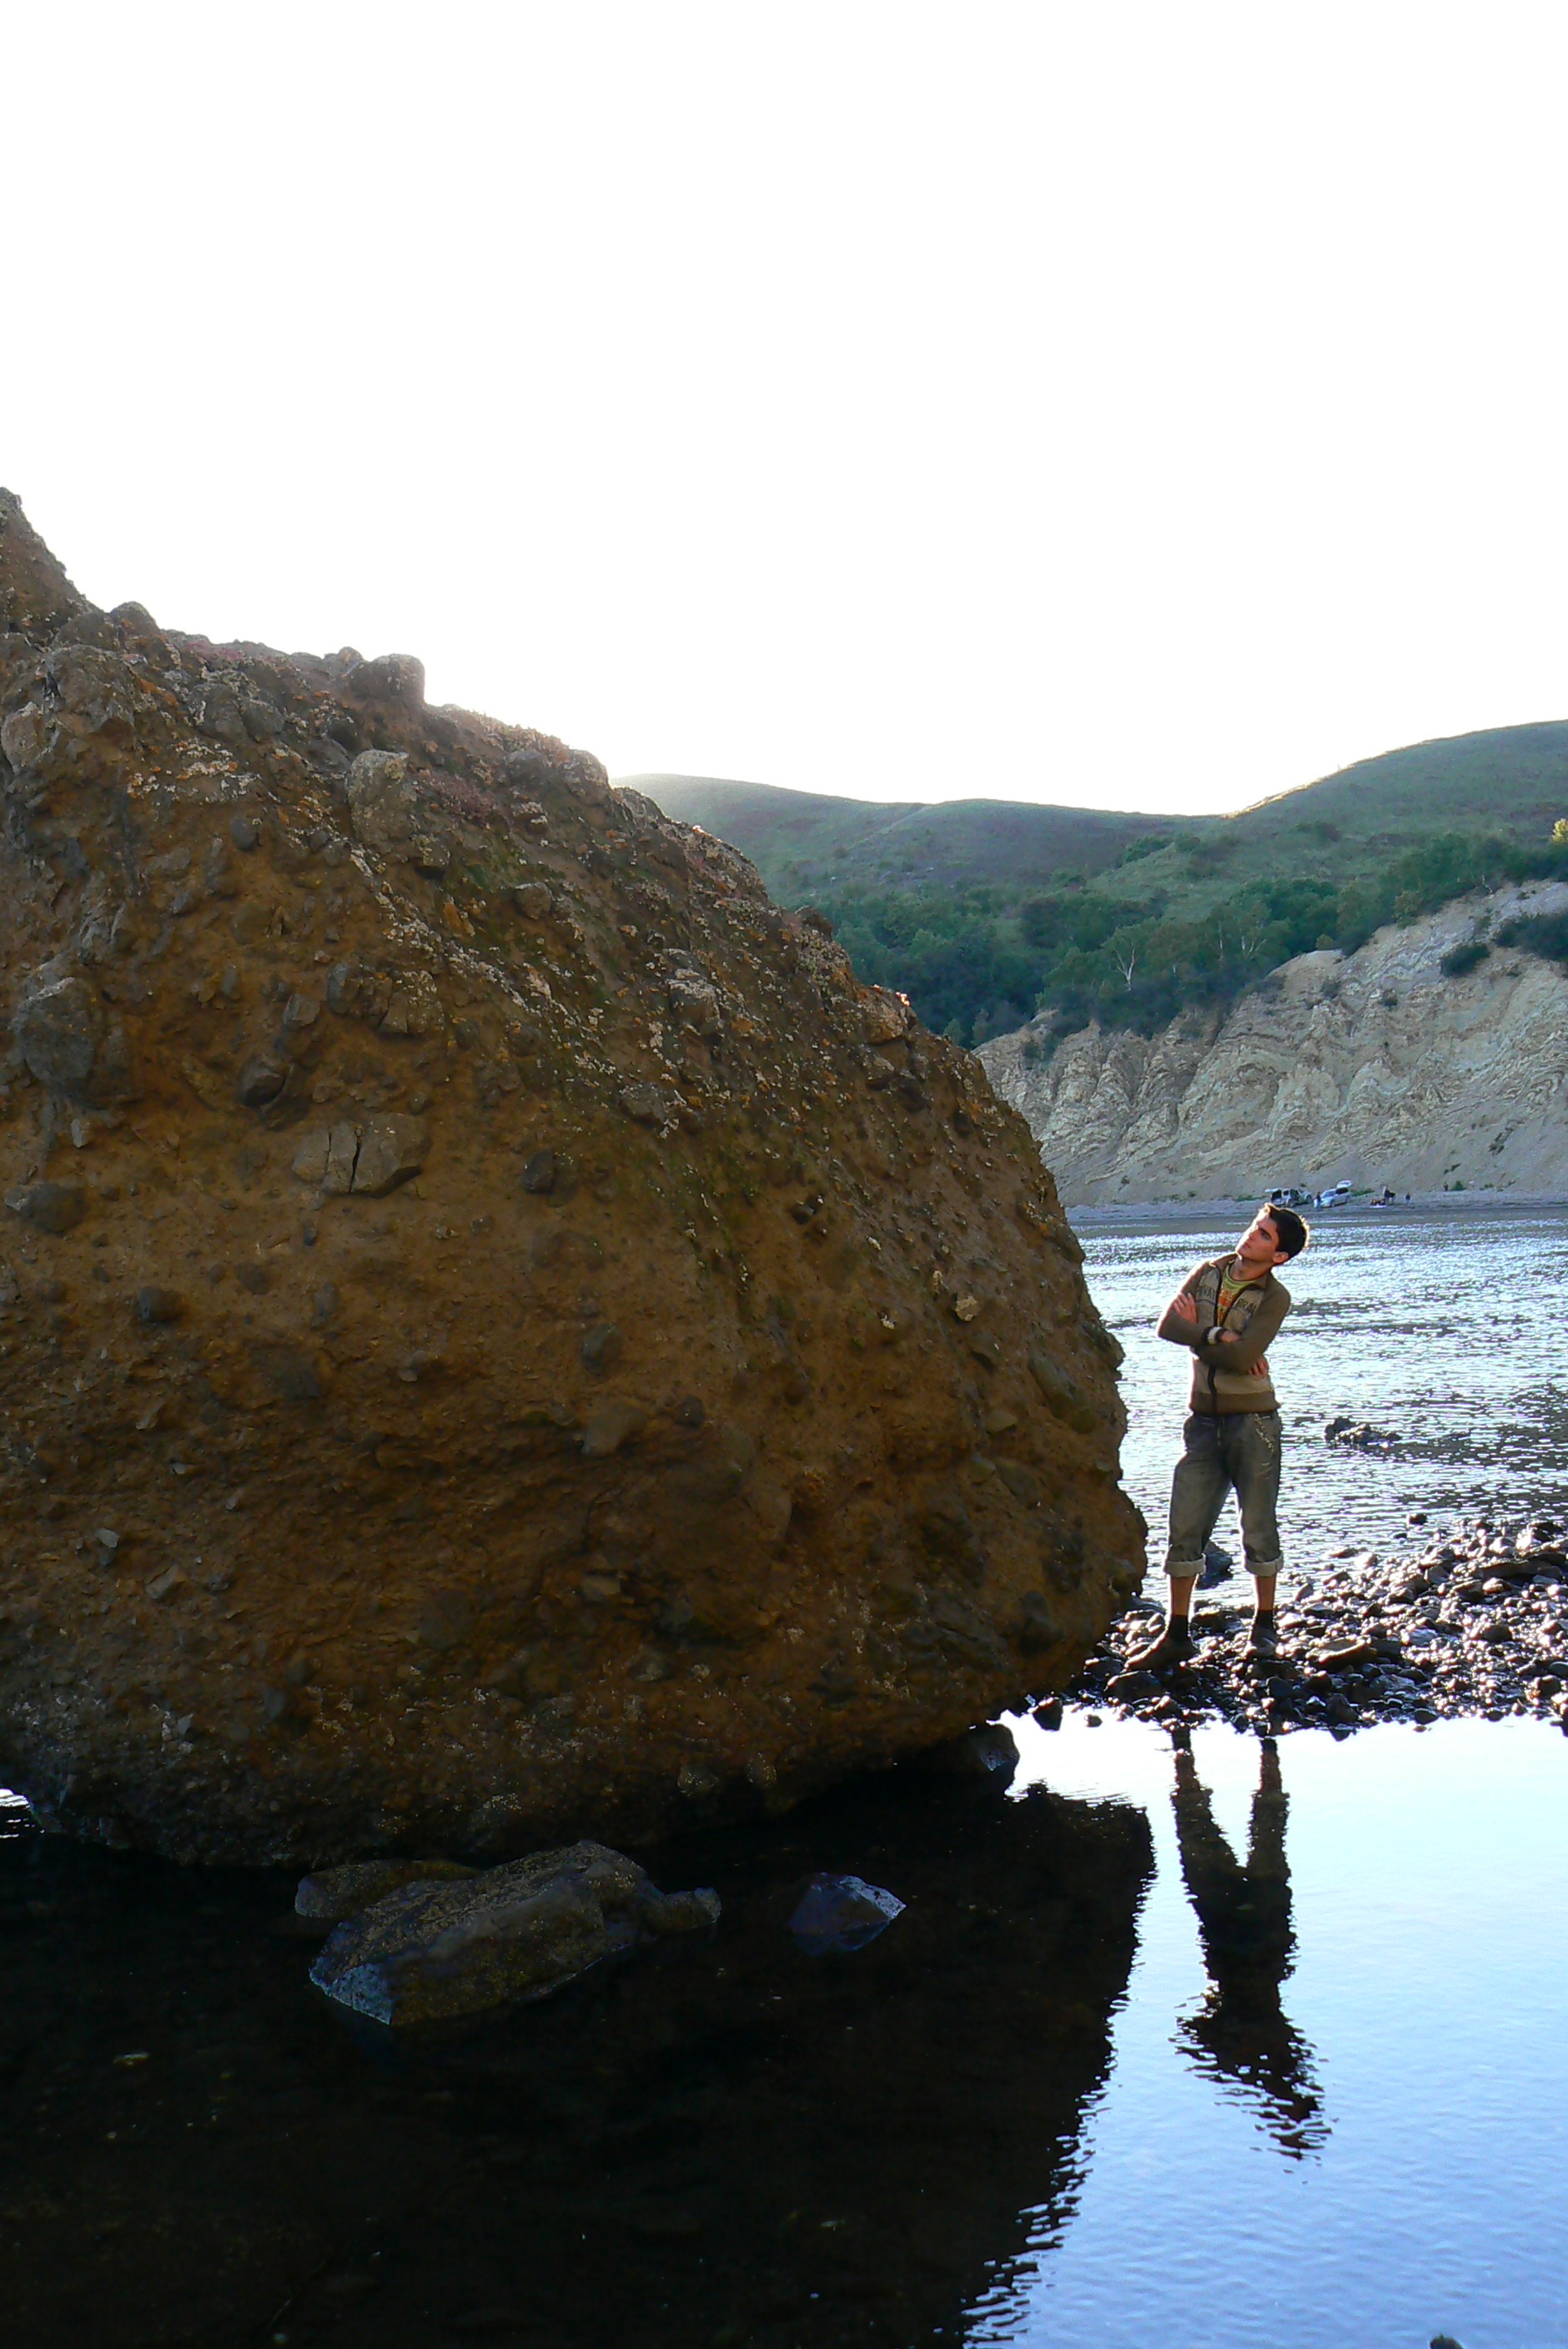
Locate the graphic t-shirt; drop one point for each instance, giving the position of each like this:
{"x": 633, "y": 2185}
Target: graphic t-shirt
{"x": 1230, "y": 1287}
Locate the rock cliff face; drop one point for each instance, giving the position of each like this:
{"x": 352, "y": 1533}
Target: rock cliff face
{"x": 1375, "y": 1067}
{"x": 499, "y": 1334}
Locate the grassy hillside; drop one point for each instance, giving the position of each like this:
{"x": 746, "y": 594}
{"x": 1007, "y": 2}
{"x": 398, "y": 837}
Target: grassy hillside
{"x": 983, "y": 910}
{"x": 803, "y": 842}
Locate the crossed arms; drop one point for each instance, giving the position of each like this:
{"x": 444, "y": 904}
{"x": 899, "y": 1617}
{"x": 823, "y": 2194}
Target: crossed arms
{"x": 1231, "y": 1351}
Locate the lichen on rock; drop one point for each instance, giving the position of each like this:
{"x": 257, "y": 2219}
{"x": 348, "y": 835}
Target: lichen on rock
{"x": 553, "y": 1351}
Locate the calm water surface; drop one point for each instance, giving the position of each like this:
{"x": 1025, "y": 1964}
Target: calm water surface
{"x": 1251, "y": 2052}
{"x": 1369, "y": 2146}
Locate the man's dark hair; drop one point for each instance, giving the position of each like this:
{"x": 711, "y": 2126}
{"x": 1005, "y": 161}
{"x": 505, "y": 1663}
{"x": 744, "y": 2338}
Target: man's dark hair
{"x": 1291, "y": 1233}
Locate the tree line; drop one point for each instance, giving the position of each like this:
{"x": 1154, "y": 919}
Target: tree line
{"x": 977, "y": 961}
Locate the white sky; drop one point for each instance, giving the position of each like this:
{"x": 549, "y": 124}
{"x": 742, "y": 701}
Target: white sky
{"x": 1139, "y": 405}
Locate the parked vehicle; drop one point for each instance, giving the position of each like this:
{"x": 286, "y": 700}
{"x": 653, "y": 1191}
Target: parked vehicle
{"x": 1291, "y": 1194}
{"x": 1336, "y": 1196}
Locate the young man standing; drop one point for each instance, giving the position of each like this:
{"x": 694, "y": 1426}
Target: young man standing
{"x": 1228, "y": 1312}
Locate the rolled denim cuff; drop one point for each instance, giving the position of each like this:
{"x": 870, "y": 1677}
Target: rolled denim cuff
{"x": 1256, "y": 1565}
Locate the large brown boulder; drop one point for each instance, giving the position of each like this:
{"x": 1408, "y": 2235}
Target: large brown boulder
{"x": 500, "y": 1335}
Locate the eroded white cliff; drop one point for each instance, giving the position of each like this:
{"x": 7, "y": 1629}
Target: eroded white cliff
{"x": 1375, "y": 1067}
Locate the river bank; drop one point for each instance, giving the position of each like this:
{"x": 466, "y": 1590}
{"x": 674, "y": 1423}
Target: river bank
{"x": 1475, "y": 1622}
{"x": 1142, "y": 1214}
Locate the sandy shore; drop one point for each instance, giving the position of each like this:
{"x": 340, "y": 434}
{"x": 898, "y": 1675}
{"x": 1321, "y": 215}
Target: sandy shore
{"x": 1176, "y": 1211}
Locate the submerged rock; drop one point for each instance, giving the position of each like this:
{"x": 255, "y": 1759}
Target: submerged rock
{"x": 1357, "y": 1435}
{"x": 333, "y": 1894}
{"x": 839, "y": 1914}
{"x": 430, "y": 1951}
{"x": 558, "y": 1352}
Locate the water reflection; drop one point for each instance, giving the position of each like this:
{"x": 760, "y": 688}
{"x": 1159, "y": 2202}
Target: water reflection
{"x": 1241, "y": 2033}
{"x": 728, "y": 2144}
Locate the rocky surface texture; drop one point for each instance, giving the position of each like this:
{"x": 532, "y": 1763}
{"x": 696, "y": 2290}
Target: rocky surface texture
{"x": 1371, "y": 1068}
{"x": 499, "y": 1334}
{"x": 443, "y": 1945}
{"x": 1473, "y": 1621}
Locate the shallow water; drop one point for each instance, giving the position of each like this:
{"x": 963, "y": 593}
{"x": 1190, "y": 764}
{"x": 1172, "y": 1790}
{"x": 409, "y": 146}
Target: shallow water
{"x": 1447, "y": 1328}
{"x": 1061, "y": 2100}
{"x": 1126, "y": 2071}
{"x": 1375, "y": 2152}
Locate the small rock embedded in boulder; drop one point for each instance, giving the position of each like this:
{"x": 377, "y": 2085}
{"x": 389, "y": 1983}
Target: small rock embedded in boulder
{"x": 391, "y": 1151}
{"x": 57, "y": 1035}
{"x": 430, "y": 1951}
{"x": 839, "y": 1914}
{"x": 650, "y": 1104}
{"x": 159, "y": 1305}
{"x": 370, "y": 1159}
{"x": 54, "y": 1208}
{"x": 693, "y": 1004}
{"x": 885, "y": 1017}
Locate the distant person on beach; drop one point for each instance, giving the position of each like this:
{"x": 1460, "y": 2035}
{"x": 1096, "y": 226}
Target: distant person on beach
{"x": 1229, "y": 1311}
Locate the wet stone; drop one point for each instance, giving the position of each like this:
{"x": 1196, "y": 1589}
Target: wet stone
{"x": 837, "y": 1915}
{"x": 333, "y": 1894}
{"x": 431, "y": 1951}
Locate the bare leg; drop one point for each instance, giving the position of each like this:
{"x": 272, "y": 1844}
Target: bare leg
{"x": 1174, "y": 1645}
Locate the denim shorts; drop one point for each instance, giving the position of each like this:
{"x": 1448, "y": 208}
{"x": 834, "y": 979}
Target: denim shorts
{"x": 1223, "y": 1452}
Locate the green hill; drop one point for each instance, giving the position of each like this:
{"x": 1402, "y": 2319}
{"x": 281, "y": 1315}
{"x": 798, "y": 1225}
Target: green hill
{"x": 801, "y": 841}
{"x": 982, "y": 910}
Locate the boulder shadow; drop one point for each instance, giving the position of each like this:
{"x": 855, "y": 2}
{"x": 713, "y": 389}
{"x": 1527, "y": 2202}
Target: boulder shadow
{"x": 724, "y": 2144}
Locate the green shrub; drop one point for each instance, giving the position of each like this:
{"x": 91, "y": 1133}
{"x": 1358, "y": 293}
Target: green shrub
{"x": 1463, "y": 957}
{"x": 1545, "y": 935}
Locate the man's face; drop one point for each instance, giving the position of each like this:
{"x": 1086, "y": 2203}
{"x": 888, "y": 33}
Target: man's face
{"x": 1259, "y": 1244}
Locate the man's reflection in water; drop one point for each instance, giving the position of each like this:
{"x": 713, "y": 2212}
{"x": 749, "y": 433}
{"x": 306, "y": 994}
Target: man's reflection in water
{"x": 1241, "y": 2033}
